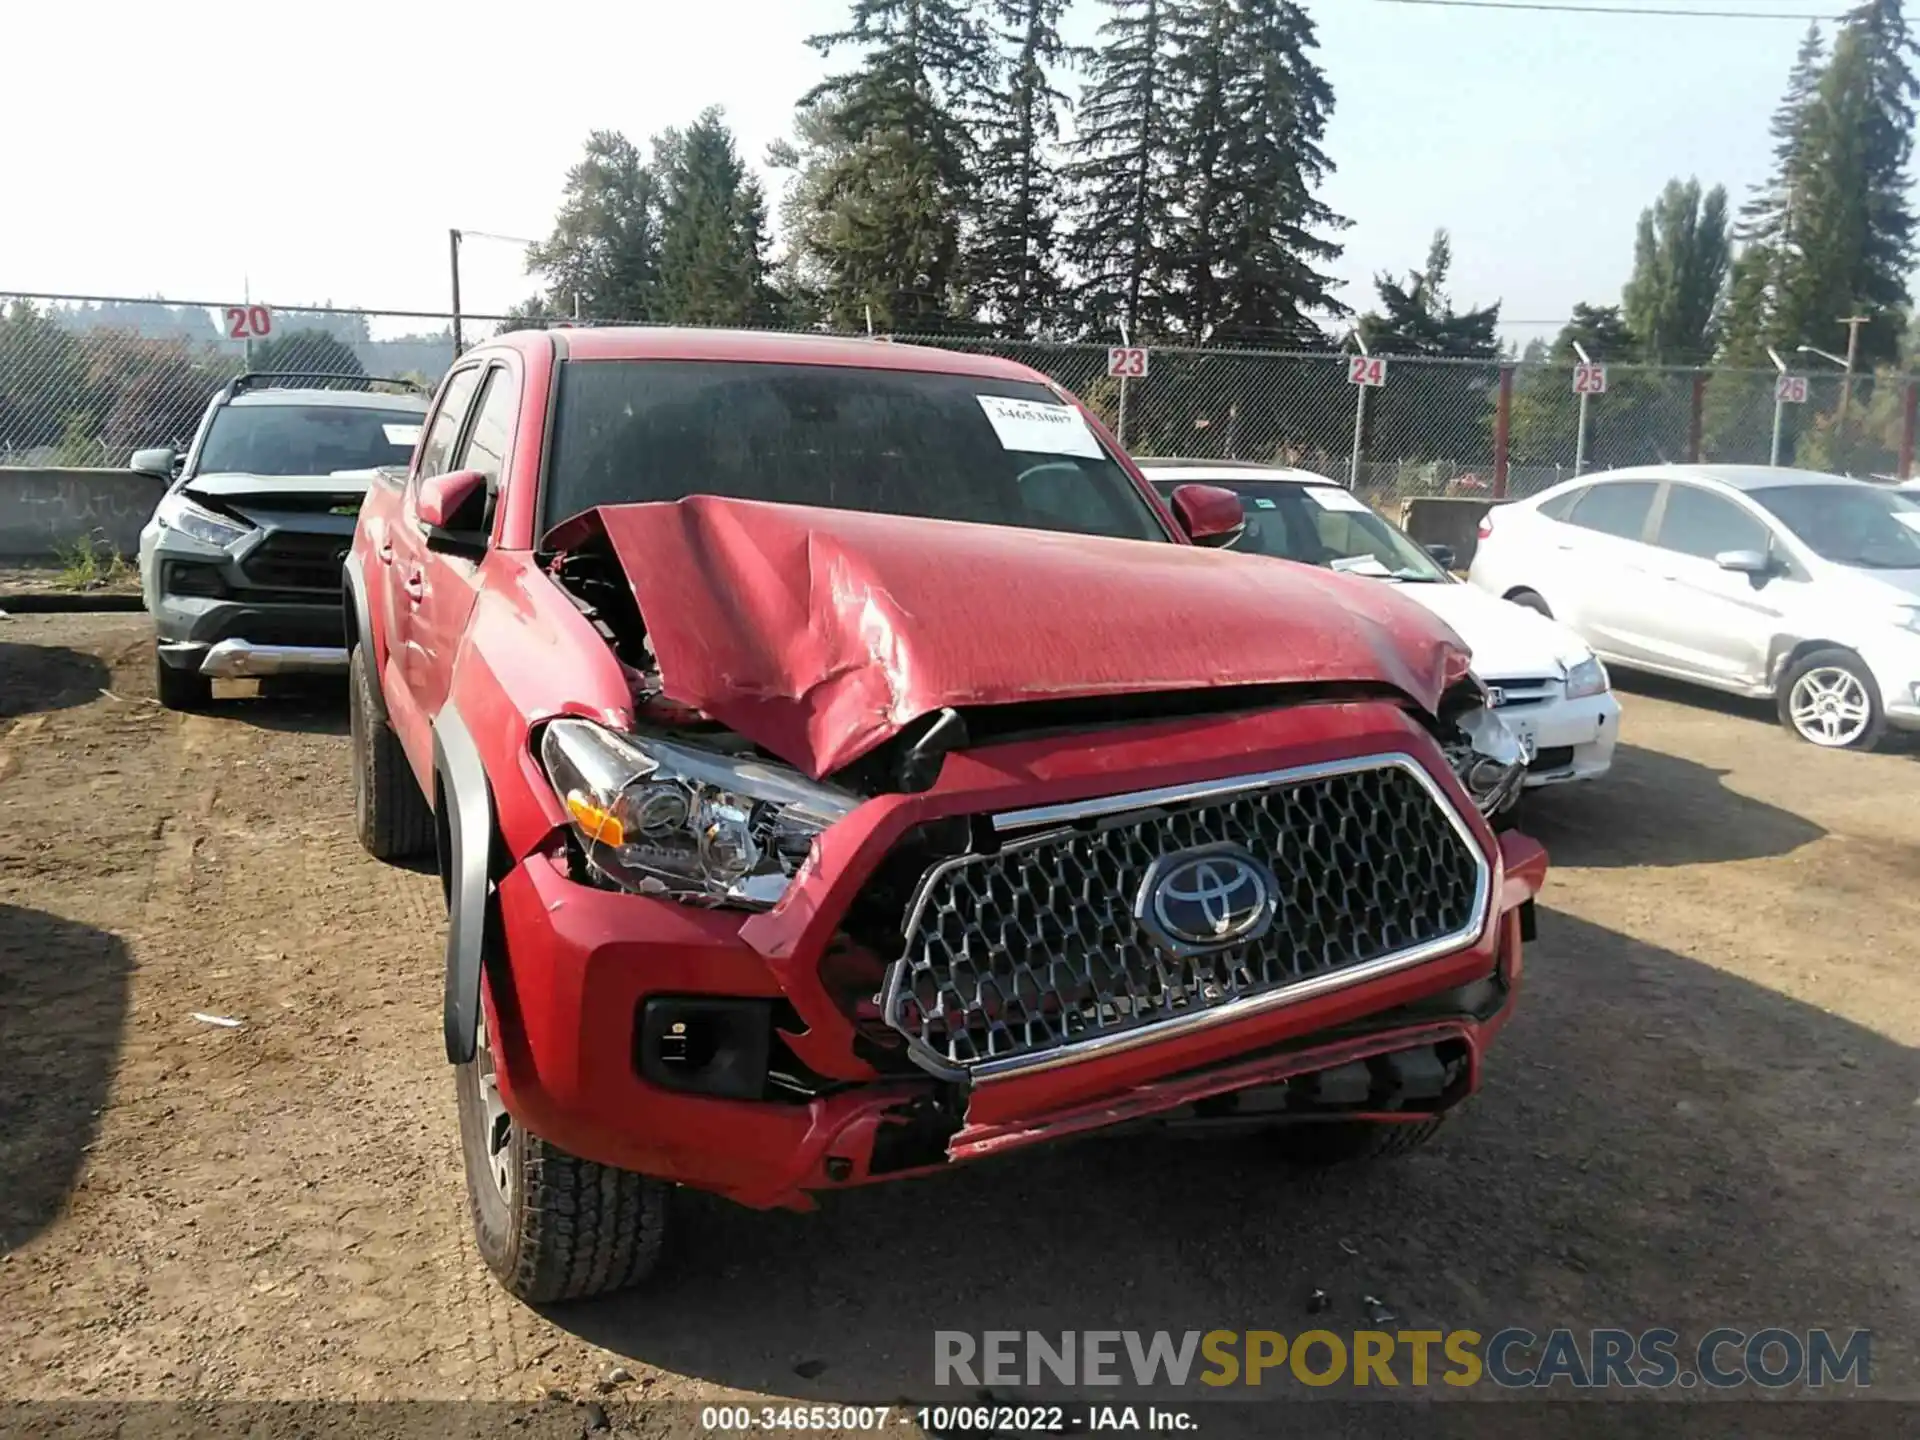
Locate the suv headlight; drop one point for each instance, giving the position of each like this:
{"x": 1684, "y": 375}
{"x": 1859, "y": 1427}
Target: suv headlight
{"x": 1589, "y": 677}
{"x": 176, "y": 512}
{"x": 660, "y": 818}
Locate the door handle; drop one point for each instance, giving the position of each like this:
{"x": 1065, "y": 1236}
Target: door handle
{"x": 385, "y": 552}
{"x": 416, "y": 587}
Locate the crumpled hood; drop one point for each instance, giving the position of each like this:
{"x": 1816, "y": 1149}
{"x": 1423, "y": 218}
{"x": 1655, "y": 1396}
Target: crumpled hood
{"x": 818, "y": 634}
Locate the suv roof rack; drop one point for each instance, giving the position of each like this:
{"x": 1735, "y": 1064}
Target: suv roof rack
{"x": 276, "y": 379}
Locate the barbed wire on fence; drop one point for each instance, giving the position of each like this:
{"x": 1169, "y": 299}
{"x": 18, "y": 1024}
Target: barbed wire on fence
{"x": 89, "y": 379}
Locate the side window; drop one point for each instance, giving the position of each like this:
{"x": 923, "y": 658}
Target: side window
{"x": 436, "y": 452}
{"x": 492, "y": 429}
{"x": 1559, "y": 505}
{"x": 1617, "y": 509}
{"x": 1698, "y": 522}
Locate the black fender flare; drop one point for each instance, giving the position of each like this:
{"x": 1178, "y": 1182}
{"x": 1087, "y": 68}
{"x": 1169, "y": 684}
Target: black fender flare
{"x": 467, "y": 829}
{"x": 362, "y": 635}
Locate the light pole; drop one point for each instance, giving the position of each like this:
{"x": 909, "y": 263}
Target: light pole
{"x": 1359, "y": 418}
{"x": 1846, "y": 384}
{"x": 1580, "y": 440}
{"x": 1779, "y": 403}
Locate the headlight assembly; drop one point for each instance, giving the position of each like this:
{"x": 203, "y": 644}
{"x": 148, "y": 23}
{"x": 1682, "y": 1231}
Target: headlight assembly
{"x": 1490, "y": 759}
{"x": 661, "y": 818}
{"x": 177, "y": 512}
{"x": 1589, "y": 677}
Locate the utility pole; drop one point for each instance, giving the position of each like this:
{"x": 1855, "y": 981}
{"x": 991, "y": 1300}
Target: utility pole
{"x": 453, "y": 253}
{"x": 1853, "y": 324}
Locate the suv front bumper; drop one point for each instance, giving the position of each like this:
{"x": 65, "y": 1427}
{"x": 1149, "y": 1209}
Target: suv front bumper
{"x": 566, "y": 1007}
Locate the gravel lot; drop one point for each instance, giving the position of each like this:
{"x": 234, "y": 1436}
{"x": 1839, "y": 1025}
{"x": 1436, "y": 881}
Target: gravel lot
{"x": 1704, "y": 1114}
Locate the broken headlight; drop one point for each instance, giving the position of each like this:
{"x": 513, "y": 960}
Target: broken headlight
{"x": 661, "y": 818}
{"x": 1490, "y": 758}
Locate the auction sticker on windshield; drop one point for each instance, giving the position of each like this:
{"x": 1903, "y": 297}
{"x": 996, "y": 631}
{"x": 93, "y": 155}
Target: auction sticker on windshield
{"x": 402, "y": 434}
{"x": 1329, "y": 497}
{"x": 1038, "y": 428}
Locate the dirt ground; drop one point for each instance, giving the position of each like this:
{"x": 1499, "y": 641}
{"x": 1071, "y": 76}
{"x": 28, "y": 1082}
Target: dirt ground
{"x": 1703, "y": 1115}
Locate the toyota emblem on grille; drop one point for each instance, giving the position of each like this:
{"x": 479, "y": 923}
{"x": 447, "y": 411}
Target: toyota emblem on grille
{"x": 1206, "y": 899}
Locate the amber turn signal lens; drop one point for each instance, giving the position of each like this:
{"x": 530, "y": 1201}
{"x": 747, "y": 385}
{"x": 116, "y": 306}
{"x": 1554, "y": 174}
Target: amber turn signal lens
{"x": 597, "y": 824}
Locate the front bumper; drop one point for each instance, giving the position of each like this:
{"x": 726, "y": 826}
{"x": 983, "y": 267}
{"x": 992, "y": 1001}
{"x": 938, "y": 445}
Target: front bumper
{"x": 247, "y": 628}
{"x": 565, "y": 1008}
{"x": 1894, "y": 660}
{"x": 1572, "y": 739}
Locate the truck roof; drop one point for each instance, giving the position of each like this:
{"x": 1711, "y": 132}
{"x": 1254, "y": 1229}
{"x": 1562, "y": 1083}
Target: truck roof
{"x": 665, "y": 342}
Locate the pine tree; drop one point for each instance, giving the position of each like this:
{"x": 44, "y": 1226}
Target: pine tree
{"x": 1681, "y": 258}
{"x": 1767, "y": 217}
{"x": 886, "y": 166}
{"x": 713, "y": 265}
{"x": 1264, "y": 228}
{"x": 604, "y": 252}
{"x": 1418, "y": 318}
{"x": 1014, "y": 262}
{"x": 1122, "y": 176}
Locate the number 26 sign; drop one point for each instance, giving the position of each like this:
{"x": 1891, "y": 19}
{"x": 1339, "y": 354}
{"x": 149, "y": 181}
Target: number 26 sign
{"x": 1369, "y": 370}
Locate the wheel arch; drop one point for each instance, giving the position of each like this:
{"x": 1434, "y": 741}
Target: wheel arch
{"x": 465, "y": 832}
{"x": 359, "y": 624}
{"x": 1789, "y": 652}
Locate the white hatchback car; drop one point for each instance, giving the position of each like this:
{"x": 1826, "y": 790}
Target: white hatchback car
{"x": 1547, "y": 684}
{"x": 1759, "y": 581}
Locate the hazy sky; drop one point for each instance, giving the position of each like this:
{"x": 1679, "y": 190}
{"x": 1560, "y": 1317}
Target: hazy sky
{"x": 188, "y": 148}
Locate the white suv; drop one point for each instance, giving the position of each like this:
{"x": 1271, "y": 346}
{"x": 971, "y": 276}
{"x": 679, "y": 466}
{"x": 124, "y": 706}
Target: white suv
{"x": 1758, "y": 581}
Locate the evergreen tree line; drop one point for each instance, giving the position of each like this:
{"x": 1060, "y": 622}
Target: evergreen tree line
{"x": 946, "y": 182}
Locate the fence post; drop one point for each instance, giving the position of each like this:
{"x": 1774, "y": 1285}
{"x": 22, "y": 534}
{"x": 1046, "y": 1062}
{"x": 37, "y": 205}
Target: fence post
{"x": 1502, "y": 427}
{"x": 1697, "y": 418}
{"x": 1908, "y": 402}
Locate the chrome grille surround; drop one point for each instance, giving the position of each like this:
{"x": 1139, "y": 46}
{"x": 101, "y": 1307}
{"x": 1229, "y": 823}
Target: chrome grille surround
{"x": 1032, "y": 956}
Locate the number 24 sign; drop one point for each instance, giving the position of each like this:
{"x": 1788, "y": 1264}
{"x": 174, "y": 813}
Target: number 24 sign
{"x": 1368, "y": 370}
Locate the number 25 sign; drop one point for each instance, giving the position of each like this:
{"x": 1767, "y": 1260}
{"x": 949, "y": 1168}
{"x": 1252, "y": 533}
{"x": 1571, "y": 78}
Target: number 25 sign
{"x": 249, "y": 322}
{"x": 1589, "y": 379}
{"x": 1370, "y": 370}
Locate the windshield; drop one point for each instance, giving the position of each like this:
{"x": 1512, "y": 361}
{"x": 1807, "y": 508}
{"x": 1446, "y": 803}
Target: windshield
{"x": 1323, "y": 525}
{"x": 946, "y": 447}
{"x": 1850, "y": 524}
{"x": 307, "y": 439}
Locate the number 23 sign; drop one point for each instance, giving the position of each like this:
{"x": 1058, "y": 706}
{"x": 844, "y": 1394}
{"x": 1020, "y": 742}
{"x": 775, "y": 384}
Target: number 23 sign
{"x": 249, "y": 322}
{"x": 1369, "y": 370}
{"x": 1127, "y": 362}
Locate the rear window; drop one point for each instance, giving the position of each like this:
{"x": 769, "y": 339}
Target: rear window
{"x": 944, "y": 447}
{"x": 1616, "y": 509}
{"x": 307, "y": 439}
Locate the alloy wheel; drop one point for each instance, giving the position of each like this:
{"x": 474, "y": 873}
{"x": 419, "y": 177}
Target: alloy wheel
{"x": 1830, "y": 706}
{"x": 498, "y": 1127}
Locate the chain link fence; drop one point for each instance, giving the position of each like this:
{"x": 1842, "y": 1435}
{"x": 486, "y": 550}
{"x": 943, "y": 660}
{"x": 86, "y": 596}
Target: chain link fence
{"x": 86, "y": 381}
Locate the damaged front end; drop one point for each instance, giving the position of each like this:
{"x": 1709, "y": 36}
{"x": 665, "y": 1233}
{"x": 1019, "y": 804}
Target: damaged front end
{"x": 1488, "y": 755}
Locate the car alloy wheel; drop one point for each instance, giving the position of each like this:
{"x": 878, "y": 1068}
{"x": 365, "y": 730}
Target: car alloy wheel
{"x": 498, "y": 1124}
{"x": 1830, "y": 707}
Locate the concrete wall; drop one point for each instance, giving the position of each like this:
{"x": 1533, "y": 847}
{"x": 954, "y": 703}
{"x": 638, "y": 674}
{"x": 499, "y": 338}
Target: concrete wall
{"x": 44, "y": 507}
{"x": 1445, "y": 520}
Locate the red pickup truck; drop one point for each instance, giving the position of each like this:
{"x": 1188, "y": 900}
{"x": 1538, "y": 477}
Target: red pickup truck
{"x": 841, "y": 765}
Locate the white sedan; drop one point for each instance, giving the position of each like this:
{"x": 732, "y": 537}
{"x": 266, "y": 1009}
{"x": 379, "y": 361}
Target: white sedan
{"x": 1547, "y": 683}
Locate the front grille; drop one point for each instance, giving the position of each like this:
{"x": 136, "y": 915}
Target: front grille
{"x": 1036, "y": 951}
{"x": 1529, "y": 690}
{"x": 292, "y": 560}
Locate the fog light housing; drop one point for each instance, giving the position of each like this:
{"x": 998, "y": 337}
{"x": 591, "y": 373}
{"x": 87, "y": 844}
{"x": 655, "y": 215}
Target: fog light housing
{"x": 180, "y": 578}
{"x": 705, "y": 1045}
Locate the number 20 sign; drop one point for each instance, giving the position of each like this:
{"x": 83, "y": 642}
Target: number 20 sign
{"x": 249, "y": 322}
{"x": 1368, "y": 370}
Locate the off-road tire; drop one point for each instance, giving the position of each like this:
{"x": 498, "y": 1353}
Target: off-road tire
{"x": 180, "y": 688}
{"x": 1530, "y": 600}
{"x": 390, "y": 815}
{"x": 1319, "y": 1143}
{"x": 1834, "y": 658}
{"x": 570, "y": 1228}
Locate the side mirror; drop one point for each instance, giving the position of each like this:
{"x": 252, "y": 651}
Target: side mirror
{"x": 1745, "y": 562}
{"x": 1209, "y": 514}
{"x": 1442, "y": 554}
{"x": 157, "y": 462}
{"x": 451, "y": 509}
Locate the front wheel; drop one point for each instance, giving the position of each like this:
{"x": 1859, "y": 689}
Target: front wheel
{"x": 390, "y": 815}
{"x": 550, "y": 1225}
{"x": 1316, "y": 1144}
{"x": 1830, "y": 699}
